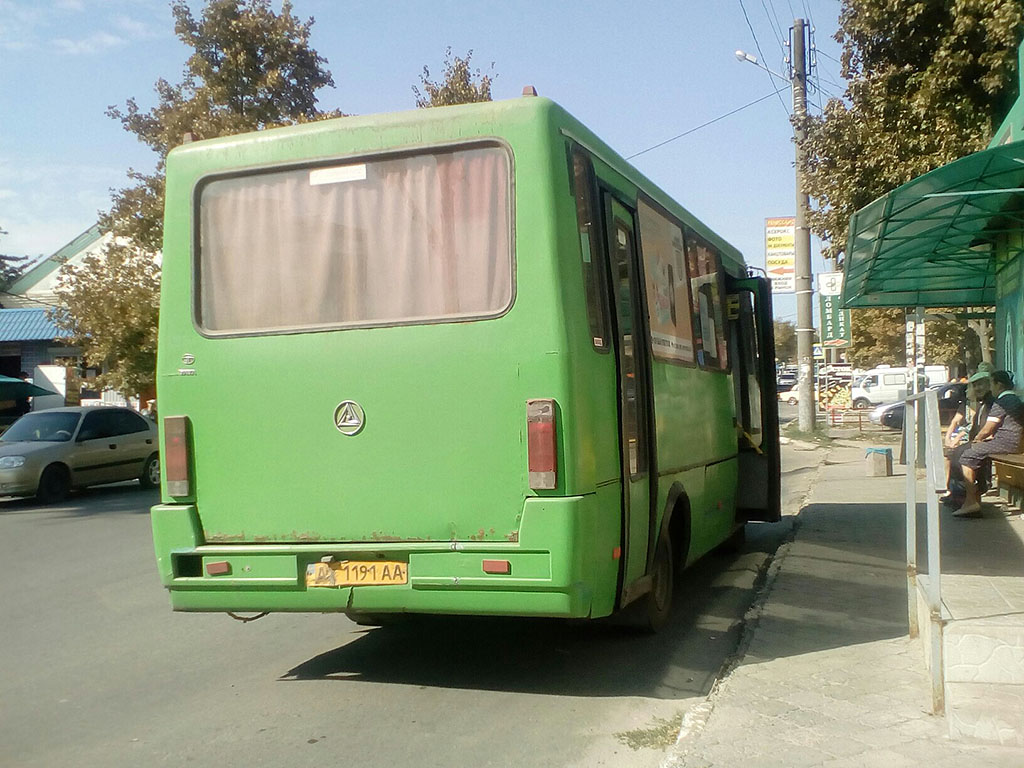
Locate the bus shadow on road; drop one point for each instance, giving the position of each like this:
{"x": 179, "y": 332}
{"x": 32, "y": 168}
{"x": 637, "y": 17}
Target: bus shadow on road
{"x": 122, "y": 498}
{"x": 599, "y": 658}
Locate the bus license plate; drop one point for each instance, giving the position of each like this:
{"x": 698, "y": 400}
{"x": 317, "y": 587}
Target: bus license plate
{"x": 353, "y": 573}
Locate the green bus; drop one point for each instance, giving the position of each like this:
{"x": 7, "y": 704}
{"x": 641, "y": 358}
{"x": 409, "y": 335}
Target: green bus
{"x": 462, "y": 360}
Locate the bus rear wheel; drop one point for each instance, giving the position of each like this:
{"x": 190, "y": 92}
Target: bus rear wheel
{"x": 658, "y": 602}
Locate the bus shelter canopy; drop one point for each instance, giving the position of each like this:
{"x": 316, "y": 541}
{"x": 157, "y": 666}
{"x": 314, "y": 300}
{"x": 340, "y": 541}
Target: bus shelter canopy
{"x": 930, "y": 242}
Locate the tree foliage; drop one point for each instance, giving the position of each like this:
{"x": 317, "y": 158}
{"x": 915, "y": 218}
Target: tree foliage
{"x": 461, "y": 84}
{"x": 951, "y": 342}
{"x": 928, "y": 81}
{"x": 877, "y": 338}
{"x": 114, "y": 296}
{"x": 11, "y": 268}
{"x": 250, "y": 68}
{"x": 785, "y": 341}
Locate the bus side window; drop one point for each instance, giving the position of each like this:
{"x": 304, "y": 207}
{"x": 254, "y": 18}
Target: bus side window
{"x": 668, "y": 293}
{"x": 705, "y": 268}
{"x": 588, "y": 222}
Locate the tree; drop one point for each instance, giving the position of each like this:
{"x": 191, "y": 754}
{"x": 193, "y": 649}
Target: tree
{"x": 785, "y": 341}
{"x": 928, "y": 82}
{"x": 461, "y": 84}
{"x": 250, "y": 68}
{"x": 983, "y": 333}
{"x": 114, "y": 298}
{"x": 878, "y": 338}
{"x": 11, "y": 268}
{"x": 951, "y": 342}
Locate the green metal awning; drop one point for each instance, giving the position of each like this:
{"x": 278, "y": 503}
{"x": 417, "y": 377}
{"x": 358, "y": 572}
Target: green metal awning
{"x": 929, "y": 243}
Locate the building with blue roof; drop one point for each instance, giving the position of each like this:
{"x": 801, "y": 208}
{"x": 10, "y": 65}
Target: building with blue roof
{"x": 28, "y": 335}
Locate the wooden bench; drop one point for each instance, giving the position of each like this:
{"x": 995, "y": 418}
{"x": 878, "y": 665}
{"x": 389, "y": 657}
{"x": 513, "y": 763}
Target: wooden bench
{"x": 1009, "y": 469}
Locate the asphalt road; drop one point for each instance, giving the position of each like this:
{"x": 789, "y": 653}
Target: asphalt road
{"x": 98, "y": 671}
{"x": 787, "y": 412}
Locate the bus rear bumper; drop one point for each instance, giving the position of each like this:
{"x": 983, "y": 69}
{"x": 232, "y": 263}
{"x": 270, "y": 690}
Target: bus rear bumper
{"x": 546, "y": 574}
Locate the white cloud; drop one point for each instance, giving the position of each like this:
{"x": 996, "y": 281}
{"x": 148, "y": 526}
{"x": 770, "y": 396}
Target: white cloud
{"x": 47, "y": 205}
{"x": 17, "y": 23}
{"x": 27, "y": 24}
{"x": 135, "y": 30}
{"x": 94, "y": 43}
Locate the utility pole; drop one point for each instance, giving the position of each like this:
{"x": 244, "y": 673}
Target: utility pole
{"x": 804, "y": 278}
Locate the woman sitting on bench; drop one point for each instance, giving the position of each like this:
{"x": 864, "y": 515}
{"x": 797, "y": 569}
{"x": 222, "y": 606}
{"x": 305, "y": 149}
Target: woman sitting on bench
{"x": 1001, "y": 434}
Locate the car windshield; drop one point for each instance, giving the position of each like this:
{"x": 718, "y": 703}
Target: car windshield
{"x": 42, "y": 427}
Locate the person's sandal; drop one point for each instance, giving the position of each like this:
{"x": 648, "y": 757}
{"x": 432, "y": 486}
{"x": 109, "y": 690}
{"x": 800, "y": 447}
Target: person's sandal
{"x": 973, "y": 510}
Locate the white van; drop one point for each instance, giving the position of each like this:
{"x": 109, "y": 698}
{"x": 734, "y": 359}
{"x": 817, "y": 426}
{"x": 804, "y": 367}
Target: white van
{"x": 881, "y": 385}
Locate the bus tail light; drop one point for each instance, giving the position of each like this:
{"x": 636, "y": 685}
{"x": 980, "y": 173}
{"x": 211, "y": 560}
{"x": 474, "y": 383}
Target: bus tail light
{"x": 541, "y": 430}
{"x": 176, "y": 458}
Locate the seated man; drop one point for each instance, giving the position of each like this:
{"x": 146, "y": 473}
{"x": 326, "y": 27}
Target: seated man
{"x": 960, "y": 434}
{"x": 1001, "y": 434}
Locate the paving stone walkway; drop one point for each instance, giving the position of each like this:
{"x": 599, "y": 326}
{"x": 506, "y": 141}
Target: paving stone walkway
{"x": 828, "y": 676}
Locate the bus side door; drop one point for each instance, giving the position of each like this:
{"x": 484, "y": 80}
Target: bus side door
{"x": 758, "y": 496}
{"x": 631, "y": 349}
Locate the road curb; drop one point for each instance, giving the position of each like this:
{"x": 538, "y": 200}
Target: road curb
{"x": 695, "y": 719}
{"x": 801, "y": 445}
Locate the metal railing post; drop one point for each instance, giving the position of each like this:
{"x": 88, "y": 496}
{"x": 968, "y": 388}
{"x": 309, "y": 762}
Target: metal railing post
{"x": 910, "y": 442}
{"x": 935, "y": 476}
{"x": 924, "y": 416}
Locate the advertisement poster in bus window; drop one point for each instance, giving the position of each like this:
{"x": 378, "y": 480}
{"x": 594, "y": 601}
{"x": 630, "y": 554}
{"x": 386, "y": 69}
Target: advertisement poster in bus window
{"x": 668, "y": 299}
{"x": 707, "y": 302}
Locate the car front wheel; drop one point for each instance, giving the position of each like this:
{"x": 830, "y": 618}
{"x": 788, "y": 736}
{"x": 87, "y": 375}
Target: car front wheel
{"x": 860, "y": 404}
{"x": 54, "y": 484}
{"x": 150, "y": 477}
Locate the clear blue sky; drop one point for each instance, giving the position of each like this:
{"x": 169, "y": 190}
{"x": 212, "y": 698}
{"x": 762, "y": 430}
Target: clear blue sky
{"x": 636, "y": 73}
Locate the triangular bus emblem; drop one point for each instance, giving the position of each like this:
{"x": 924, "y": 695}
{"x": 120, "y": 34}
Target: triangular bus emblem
{"x": 349, "y": 417}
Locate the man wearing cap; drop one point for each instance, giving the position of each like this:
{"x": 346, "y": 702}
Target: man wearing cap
{"x": 1002, "y": 433}
{"x": 979, "y": 387}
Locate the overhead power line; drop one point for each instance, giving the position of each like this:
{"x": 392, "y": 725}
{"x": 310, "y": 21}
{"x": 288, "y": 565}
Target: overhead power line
{"x": 829, "y": 56}
{"x": 775, "y": 27}
{"x": 705, "y": 125}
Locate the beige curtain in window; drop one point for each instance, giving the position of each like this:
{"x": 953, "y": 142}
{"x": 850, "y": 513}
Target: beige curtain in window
{"x": 406, "y": 240}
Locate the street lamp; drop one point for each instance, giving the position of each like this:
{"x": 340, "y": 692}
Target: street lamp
{"x": 749, "y": 57}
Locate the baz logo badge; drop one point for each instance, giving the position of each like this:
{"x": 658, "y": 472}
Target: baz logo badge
{"x": 187, "y": 360}
{"x": 349, "y": 418}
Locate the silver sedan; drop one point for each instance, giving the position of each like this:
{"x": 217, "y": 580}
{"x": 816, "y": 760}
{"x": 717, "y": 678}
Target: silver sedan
{"x": 47, "y": 453}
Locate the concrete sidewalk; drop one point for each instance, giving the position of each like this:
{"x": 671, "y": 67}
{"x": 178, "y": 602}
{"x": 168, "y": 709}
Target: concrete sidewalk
{"x": 828, "y": 676}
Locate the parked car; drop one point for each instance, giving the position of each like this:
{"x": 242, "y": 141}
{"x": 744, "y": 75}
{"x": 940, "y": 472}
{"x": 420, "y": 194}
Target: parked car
{"x": 791, "y": 396}
{"x": 47, "y": 453}
{"x": 950, "y": 398}
{"x": 785, "y": 382}
{"x": 880, "y": 386}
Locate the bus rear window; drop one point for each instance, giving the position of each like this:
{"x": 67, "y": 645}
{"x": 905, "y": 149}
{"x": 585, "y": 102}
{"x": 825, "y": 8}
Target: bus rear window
{"x": 388, "y": 241}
